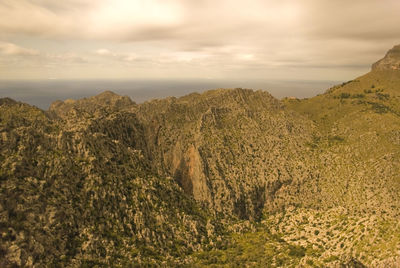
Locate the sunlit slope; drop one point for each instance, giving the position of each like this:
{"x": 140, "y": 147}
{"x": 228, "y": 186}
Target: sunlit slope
{"x": 377, "y": 92}
{"x": 358, "y": 144}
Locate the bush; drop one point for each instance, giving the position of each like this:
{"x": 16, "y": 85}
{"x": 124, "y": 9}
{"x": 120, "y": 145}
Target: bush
{"x": 344, "y": 95}
{"x": 382, "y": 96}
{"x": 335, "y": 139}
{"x": 297, "y": 251}
{"x": 358, "y": 96}
{"x": 379, "y": 108}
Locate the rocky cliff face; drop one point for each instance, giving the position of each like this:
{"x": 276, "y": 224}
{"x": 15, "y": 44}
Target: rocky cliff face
{"x": 391, "y": 61}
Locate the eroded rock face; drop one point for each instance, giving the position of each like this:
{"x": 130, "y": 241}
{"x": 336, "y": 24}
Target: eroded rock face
{"x": 189, "y": 173}
{"x": 390, "y": 62}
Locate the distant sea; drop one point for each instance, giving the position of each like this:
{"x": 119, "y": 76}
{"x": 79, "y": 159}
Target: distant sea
{"x": 42, "y": 93}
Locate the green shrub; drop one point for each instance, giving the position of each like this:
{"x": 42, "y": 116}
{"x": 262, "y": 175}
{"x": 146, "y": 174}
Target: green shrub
{"x": 358, "y": 96}
{"x": 297, "y": 251}
{"x": 382, "y": 96}
{"x": 344, "y": 95}
{"x": 379, "y": 108}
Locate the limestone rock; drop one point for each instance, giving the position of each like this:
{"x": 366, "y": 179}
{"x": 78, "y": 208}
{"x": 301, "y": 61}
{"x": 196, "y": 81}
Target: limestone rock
{"x": 391, "y": 61}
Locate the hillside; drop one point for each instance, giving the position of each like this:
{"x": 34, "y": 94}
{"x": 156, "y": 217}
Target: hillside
{"x": 109, "y": 178}
{"x": 79, "y": 193}
{"x": 359, "y": 123}
{"x": 348, "y": 213}
{"x": 227, "y": 178}
{"x": 232, "y": 150}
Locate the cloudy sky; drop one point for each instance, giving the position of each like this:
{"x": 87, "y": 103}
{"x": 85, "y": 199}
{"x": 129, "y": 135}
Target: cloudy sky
{"x": 201, "y": 39}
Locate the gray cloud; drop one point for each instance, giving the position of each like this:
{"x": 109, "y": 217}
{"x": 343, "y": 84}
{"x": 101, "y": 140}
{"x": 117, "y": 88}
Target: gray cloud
{"x": 10, "y": 49}
{"x": 201, "y": 37}
{"x": 352, "y": 19}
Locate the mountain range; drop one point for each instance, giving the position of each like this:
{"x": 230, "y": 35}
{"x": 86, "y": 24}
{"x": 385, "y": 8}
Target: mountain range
{"x": 227, "y": 178}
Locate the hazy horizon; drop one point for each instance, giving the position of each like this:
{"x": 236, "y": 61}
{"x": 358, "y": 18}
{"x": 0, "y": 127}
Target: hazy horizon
{"x": 153, "y": 48}
{"x": 42, "y": 93}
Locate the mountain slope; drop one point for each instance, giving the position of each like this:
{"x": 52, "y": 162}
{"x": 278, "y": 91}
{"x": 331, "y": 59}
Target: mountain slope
{"x": 359, "y": 123}
{"x": 105, "y": 177}
{"x": 232, "y": 150}
{"x": 347, "y": 214}
{"x": 80, "y": 194}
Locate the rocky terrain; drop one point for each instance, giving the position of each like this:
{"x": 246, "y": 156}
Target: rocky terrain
{"x": 227, "y": 178}
{"x": 390, "y": 62}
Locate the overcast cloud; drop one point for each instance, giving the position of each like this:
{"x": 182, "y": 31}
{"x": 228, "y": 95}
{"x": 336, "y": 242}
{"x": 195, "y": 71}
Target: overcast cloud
{"x": 221, "y": 39}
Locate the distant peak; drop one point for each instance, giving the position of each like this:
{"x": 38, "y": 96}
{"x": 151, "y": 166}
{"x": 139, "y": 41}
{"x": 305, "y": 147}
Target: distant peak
{"x": 110, "y": 98}
{"x": 108, "y": 93}
{"x": 391, "y": 61}
{"x": 7, "y": 101}
{"x": 106, "y": 100}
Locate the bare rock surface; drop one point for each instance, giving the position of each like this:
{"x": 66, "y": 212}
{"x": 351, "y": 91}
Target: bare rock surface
{"x": 391, "y": 61}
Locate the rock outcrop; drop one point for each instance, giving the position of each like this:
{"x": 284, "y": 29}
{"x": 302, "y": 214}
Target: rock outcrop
{"x": 391, "y": 61}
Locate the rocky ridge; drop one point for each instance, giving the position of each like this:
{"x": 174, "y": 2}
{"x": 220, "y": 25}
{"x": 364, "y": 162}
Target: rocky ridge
{"x": 391, "y": 61}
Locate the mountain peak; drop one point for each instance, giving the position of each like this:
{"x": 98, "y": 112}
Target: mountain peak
{"x": 7, "y": 101}
{"x": 107, "y": 94}
{"x": 391, "y": 61}
{"x": 107, "y": 100}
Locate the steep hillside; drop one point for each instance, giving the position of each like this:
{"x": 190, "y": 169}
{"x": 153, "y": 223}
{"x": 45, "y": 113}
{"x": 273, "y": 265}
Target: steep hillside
{"x": 347, "y": 215}
{"x": 78, "y": 192}
{"x": 232, "y": 150}
{"x": 358, "y": 149}
{"x": 104, "y": 177}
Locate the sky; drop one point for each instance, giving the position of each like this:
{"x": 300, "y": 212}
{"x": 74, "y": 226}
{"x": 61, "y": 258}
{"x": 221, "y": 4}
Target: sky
{"x": 195, "y": 39}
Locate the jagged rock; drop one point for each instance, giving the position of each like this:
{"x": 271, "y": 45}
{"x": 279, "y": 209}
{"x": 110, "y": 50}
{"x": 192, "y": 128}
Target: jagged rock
{"x": 391, "y": 61}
